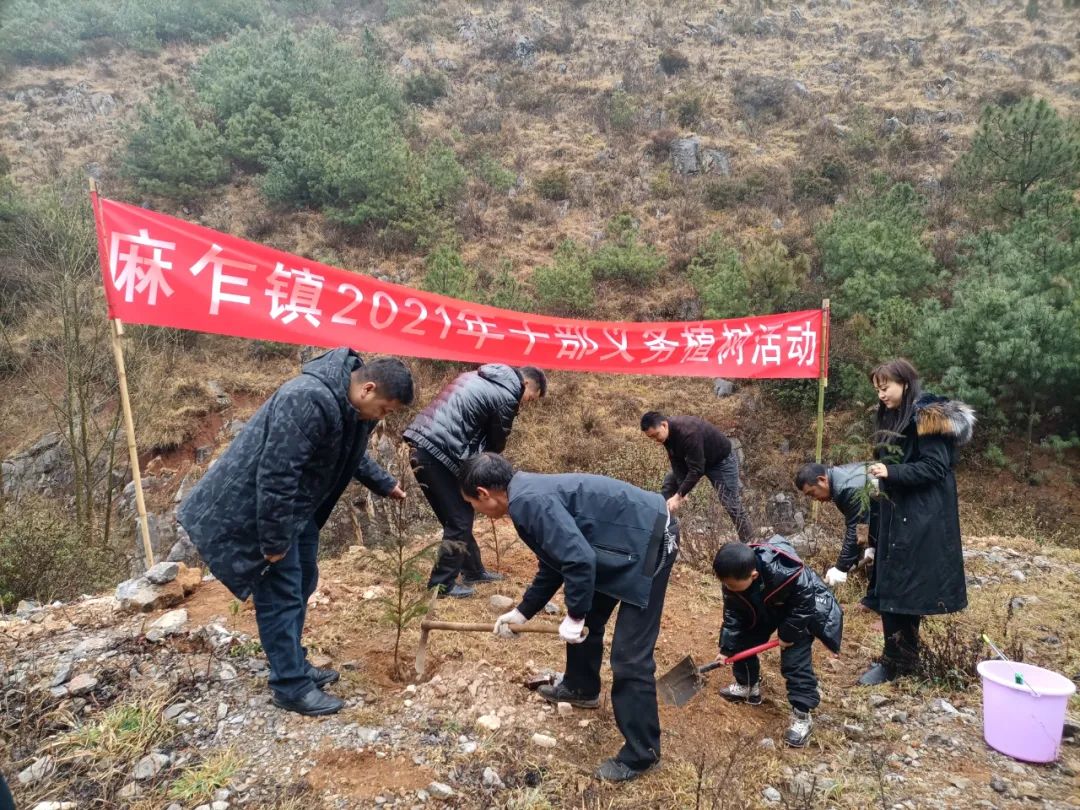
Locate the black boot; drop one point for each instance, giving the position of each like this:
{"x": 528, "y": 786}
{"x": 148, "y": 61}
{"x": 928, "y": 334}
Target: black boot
{"x": 877, "y": 674}
{"x": 323, "y": 677}
{"x": 481, "y": 578}
{"x": 557, "y": 693}
{"x": 313, "y": 703}
{"x": 456, "y": 591}
{"x": 613, "y": 770}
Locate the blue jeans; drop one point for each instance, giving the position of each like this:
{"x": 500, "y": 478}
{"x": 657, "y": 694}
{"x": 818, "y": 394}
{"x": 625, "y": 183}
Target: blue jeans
{"x": 281, "y": 595}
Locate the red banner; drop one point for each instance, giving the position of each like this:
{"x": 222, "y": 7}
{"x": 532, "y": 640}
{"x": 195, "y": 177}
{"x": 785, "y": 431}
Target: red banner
{"x": 163, "y": 271}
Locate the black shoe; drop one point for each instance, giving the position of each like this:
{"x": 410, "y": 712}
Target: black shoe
{"x": 323, "y": 677}
{"x": 612, "y": 770}
{"x": 313, "y": 703}
{"x": 486, "y": 576}
{"x": 456, "y": 591}
{"x": 877, "y": 675}
{"x": 557, "y": 693}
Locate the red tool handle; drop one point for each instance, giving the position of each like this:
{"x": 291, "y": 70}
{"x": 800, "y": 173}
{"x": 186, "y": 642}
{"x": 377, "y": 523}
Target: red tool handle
{"x": 739, "y": 656}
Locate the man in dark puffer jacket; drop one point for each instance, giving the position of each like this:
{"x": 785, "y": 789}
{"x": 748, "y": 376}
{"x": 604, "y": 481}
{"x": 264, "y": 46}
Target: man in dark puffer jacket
{"x": 256, "y": 513}
{"x": 472, "y": 414}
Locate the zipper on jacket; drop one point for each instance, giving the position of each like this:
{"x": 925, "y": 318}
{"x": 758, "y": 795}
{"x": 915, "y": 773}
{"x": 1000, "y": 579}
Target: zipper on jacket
{"x": 617, "y": 552}
{"x": 753, "y": 613}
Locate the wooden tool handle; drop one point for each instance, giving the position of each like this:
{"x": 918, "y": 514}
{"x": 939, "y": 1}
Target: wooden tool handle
{"x": 479, "y": 627}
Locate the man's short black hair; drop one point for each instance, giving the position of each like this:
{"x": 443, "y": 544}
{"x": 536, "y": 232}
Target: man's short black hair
{"x": 488, "y": 470}
{"x": 392, "y": 378}
{"x": 537, "y": 376}
{"x": 652, "y": 419}
{"x": 734, "y": 561}
{"x": 809, "y": 474}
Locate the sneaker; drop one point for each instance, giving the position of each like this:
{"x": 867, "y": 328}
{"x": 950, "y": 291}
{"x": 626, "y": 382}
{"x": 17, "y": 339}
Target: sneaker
{"x": 313, "y": 703}
{"x": 323, "y": 677}
{"x": 799, "y": 730}
{"x": 456, "y": 591}
{"x": 743, "y": 693}
{"x": 612, "y": 770}
{"x": 480, "y": 579}
{"x": 557, "y": 693}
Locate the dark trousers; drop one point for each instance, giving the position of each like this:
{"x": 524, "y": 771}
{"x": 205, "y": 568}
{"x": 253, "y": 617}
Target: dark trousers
{"x": 901, "y": 641}
{"x": 633, "y": 668}
{"x": 796, "y": 665}
{"x": 725, "y": 479}
{"x": 459, "y": 551}
{"x": 281, "y": 597}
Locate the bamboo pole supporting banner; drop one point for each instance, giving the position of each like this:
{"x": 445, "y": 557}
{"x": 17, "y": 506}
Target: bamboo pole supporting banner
{"x": 823, "y": 383}
{"x": 823, "y": 379}
{"x": 117, "y": 332}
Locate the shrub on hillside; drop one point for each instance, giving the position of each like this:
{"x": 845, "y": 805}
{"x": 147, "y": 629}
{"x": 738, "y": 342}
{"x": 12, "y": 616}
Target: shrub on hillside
{"x": 564, "y": 287}
{"x": 447, "y": 274}
{"x": 44, "y": 556}
{"x": 872, "y": 249}
{"x": 1008, "y": 343}
{"x": 820, "y": 184}
{"x": 687, "y": 109}
{"x": 763, "y": 98}
{"x": 764, "y": 278}
{"x": 673, "y": 61}
{"x": 553, "y": 184}
{"x": 623, "y": 258}
{"x": 1017, "y": 152}
{"x": 424, "y": 89}
{"x": 172, "y": 153}
{"x": 58, "y": 31}
{"x": 622, "y": 112}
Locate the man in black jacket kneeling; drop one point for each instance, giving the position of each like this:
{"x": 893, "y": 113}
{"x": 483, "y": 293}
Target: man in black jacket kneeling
{"x": 475, "y": 412}
{"x": 608, "y": 544}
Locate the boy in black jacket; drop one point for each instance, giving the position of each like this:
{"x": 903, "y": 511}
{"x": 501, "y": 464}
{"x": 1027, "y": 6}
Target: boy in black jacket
{"x": 767, "y": 587}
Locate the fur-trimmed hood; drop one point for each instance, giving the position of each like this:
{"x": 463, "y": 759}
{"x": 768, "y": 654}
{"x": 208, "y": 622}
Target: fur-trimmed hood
{"x": 936, "y": 415}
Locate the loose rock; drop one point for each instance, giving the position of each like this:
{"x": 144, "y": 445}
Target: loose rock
{"x": 544, "y": 741}
{"x": 82, "y": 684}
{"x": 440, "y": 790}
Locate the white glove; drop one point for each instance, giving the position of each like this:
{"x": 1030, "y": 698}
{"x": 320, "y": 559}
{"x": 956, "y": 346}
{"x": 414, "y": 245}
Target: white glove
{"x": 834, "y": 576}
{"x": 868, "y": 555}
{"x": 502, "y": 624}
{"x": 570, "y": 630}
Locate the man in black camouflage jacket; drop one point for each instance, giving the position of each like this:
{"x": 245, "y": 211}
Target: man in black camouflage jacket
{"x": 472, "y": 414}
{"x": 256, "y": 513}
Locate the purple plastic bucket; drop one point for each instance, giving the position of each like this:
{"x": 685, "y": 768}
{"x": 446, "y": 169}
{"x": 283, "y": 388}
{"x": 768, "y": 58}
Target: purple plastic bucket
{"x": 1015, "y": 721}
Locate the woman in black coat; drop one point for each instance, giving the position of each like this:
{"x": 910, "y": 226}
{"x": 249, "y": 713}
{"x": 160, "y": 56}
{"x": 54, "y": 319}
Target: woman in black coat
{"x": 919, "y": 563}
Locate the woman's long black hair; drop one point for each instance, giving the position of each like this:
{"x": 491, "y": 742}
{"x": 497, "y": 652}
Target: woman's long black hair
{"x": 890, "y": 424}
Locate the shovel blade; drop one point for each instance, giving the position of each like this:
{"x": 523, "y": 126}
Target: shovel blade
{"x": 680, "y": 683}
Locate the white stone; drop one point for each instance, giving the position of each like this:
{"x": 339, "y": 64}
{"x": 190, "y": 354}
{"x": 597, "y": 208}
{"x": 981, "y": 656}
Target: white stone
{"x": 150, "y": 766}
{"x": 440, "y": 790}
{"x": 170, "y": 622}
{"x": 489, "y": 722}
{"x": 544, "y": 741}
{"x": 942, "y": 705}
{"x": 492, "y": 779}
{"x": 771, "y": 794}
{"x": 564, "y": 709}
{"x": 163, "y": 573}
{"x": 500, "y": 604}
{"x": 219, "y": 806}
{"x": 55, "y": 806}
{"x": 37, "y": 770}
